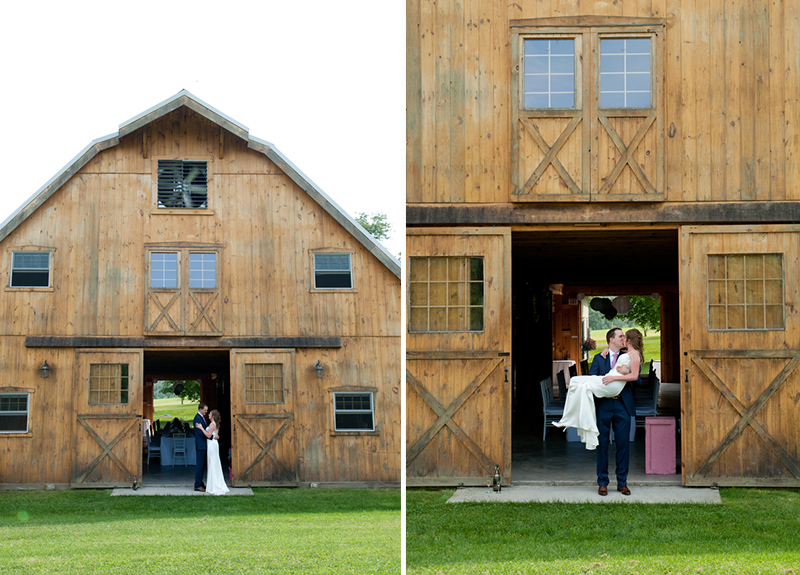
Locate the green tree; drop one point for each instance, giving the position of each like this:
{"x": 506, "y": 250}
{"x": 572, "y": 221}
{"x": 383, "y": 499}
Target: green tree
{"x": 376, "y": 224}
{"x": 645, "y": 312}
{"x": 191, "y": 390}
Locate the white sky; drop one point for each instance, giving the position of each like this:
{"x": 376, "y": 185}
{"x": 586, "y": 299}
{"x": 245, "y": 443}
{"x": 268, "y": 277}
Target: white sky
{"x": 323, "y": 81}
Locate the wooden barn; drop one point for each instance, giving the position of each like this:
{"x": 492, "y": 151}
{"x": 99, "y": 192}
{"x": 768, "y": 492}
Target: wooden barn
{"x": 183, "y": 248}
{"x": 634, "y": 147}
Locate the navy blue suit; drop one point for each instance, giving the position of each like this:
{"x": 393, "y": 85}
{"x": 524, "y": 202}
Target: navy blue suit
{"x": 614, "y": 413}
{"x": 201, "y": 445}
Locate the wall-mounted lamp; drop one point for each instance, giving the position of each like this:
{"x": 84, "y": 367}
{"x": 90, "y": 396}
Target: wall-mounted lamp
{"x": 45, "y": 370}
{"x": 319, "y": 370}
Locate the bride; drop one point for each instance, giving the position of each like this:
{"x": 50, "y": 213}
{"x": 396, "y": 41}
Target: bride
{"x": 215, "y": 484}
{"x": 579, "y": 410}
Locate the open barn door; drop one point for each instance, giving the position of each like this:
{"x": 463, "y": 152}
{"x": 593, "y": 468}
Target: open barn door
{"x": 458, "y": 356}
{"x": 262, "y": 405}
{"x": 108, "y": 437}
{"x": 740, "y": 313}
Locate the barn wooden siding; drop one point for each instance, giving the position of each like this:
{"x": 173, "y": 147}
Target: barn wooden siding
{"x": 266, "y": 228}
{"x": 731, "y": 96}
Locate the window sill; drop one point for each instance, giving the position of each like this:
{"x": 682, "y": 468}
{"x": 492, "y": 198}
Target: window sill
{"x": 333, "y": 290}
{"x": 43, "y": 289}
{"x": 16, "y": 434}
{"x": 181, "y": 212}
{"x": 354, "y": 433}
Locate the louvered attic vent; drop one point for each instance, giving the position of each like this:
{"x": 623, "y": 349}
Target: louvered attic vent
{"x": 182, "y": 184}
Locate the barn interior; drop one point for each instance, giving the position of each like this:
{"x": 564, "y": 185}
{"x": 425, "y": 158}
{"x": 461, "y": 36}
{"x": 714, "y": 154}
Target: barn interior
{"x": 212, "y": 368}
{"x": 550, "y": 269}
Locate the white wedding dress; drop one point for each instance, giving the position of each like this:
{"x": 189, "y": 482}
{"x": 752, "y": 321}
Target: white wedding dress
{"x": 215, "y": 481}
{"x": 579, "y": 409}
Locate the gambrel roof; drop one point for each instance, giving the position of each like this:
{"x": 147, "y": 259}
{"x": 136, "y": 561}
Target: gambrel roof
{"x": 184, "y": 98}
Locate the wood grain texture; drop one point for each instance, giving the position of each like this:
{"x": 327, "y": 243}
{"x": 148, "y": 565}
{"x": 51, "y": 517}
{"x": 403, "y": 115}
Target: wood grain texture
{"x": 265, "y": 228}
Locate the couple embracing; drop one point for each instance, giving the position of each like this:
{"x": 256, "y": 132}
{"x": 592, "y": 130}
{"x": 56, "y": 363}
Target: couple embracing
{"x": 206, "y": 441}
{"x": 603, "y": 400}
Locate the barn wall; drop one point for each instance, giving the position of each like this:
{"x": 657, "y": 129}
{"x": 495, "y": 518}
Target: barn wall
{"x": 97, "y": 226}
{"x": 731, "y": 96}
{"x": 98, "y": 222}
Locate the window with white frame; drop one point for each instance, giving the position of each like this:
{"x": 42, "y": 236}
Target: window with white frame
{"x": 182, "y": 184}
{"x": 202, "y": 270}
{"x": 333, "y": 271}
{"x": 549, "y": 73}
{"x": 625, "y": 72}
{"x": 353, "y": 411}
{"x": 14, "y": 410}
{"x": 30, "y": 269}
{"x": 163, "y": 270}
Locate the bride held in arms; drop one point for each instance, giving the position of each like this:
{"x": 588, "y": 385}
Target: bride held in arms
{"x": 215, "y": 484}
{"x": 579, "y": 410}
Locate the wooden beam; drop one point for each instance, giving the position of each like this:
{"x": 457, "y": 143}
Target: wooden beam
{"x": 182, "y": 342}
{"x": 593, "y": 213}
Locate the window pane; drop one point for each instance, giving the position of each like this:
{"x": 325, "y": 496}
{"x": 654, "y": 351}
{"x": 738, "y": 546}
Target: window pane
{"x": 612, "y": 63}
{"x": 453, "y": 304}
{"x": 332, "y": 271}
{"x": 202, "y": 270}
{"x": 625, "y": 72}
{"x": 30, "y": 269}
{"x": 612, "y": 100}
{"x": 639, "y": 82}
{"x": 562, "y": 65}
{"x": 537, "y": 65}
{"x": 638, "y": 100}
{"x": 745, "y": 303}
{"x": 163, "y": 270}
{"x": 549, "y": 80}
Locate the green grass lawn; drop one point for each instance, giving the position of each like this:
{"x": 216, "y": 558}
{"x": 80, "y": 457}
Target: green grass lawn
{"x": 170, "y": 408}
{"x": 334, "y": 531}
{"x": 753, "y": 531}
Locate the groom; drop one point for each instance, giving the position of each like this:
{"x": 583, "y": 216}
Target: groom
{"x": 613, "y": 412}
{"x": 200, "y": 445}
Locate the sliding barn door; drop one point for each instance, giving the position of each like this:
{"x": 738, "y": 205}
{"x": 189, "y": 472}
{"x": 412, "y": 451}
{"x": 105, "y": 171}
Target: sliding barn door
{"x": 740, "y": 381}
{"x": 108, "y": 402}
{"x": 458, "y": 356}
{"x": 262, "y": 403}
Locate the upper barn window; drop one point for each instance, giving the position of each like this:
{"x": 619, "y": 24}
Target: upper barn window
{"x": 333, "y": 271}
{"x": 182, "y": 184}
{"x": 549, "y": 73}
{"x": 30, "y": 269}
{"x": 587, "y": 110}
{"x": 625, "y": 65}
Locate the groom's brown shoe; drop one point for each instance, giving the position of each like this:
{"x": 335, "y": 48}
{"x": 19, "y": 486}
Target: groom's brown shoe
{"x": 624, "y": 490}
{"x": 602, "y": 490}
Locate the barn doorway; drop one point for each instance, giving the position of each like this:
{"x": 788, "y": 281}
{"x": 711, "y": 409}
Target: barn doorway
{"x": 549, "y": 269}
{"x": 211, "y": 368}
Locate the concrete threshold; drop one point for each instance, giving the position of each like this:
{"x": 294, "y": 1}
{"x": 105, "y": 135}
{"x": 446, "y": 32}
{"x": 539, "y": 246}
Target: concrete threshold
{"x": 170, "y": 490}
{"x": 586, "y": 494}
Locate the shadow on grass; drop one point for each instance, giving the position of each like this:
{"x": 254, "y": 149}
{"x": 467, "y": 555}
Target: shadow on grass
{"x": 89, "y": 506}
